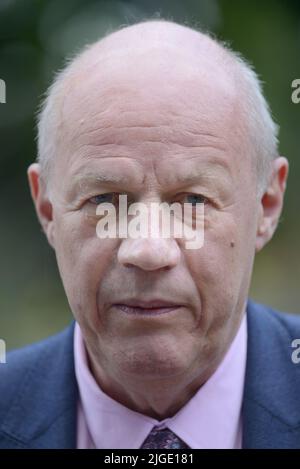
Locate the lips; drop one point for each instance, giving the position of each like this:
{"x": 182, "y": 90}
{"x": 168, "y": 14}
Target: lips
{"x": 149, "y": 308}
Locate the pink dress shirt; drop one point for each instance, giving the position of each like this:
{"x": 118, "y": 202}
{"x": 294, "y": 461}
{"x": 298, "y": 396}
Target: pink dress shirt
{"x": 210, "y": 419}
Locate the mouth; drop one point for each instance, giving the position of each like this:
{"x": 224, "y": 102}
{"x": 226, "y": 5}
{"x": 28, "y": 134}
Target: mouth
{"x": 149, "y": 308}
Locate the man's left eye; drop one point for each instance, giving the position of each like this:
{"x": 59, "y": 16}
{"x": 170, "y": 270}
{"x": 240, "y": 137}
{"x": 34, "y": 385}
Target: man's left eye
{"x": 195, "y": 199}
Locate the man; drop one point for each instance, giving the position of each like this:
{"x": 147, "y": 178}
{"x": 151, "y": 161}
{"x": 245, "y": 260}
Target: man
{"x": 166, "y": 351}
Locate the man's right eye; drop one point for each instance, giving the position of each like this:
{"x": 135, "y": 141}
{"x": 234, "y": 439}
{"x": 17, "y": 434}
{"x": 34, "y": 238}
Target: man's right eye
{"x": 109, "y": 197}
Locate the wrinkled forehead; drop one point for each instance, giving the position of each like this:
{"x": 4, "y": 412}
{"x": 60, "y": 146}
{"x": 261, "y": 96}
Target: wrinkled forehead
{"x": 148, "y": 85}
{"x": 150, "y": 102}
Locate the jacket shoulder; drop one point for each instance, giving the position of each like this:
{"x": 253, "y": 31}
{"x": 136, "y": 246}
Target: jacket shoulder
{"x": 24, "y": 363}
{"x": 282, "y": 322}
{"x": 271, "y": 396}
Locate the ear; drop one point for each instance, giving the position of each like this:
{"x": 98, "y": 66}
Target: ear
{"x": 43, "y": 205}
{"x": 271, "y": 202}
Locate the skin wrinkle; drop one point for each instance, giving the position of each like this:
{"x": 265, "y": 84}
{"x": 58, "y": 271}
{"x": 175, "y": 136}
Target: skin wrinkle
{"x": 96, "y": 145}
{"x": 187, "y": 132}
{"x": 136, "y": 359}
{"x": 214, "y": 147}
{"x": 107, "y": 126}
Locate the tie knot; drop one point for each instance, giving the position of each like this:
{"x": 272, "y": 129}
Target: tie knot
{"x": 163, "y": 438}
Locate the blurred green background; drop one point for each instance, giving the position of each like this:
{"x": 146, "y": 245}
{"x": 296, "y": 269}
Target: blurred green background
{"x": 35, "y": 36}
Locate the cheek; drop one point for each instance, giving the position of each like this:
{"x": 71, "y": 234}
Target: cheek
{"x": 82, "y": 260}
{"x": 218, "y": 267}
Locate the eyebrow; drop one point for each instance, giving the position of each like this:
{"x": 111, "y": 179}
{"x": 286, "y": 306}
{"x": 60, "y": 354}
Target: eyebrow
{"x": 103, "y": 178}
{"x": 194, "y": 177}
{"x": 95, "y": 179}
{"x": 206, "y": 172}
{"x": 98, "y": 178}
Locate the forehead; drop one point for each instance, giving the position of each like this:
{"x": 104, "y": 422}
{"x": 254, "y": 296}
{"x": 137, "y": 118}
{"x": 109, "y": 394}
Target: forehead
{"x": 149, "y": 106}
{"x": 150, "y": 78}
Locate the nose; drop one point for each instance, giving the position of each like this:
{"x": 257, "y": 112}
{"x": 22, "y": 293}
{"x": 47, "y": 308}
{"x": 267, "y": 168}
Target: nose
{"x": 149, "y": 253}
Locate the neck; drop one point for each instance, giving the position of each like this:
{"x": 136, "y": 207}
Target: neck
{"x": 159, "y": 398}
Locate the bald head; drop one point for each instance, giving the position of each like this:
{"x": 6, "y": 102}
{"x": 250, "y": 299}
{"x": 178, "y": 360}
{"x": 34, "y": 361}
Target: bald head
{"x": 160, "y": 64}
{"x": 141, "y": 38}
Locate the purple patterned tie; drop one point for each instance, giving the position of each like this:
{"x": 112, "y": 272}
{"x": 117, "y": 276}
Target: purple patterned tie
{"x": 163, "y": 439}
